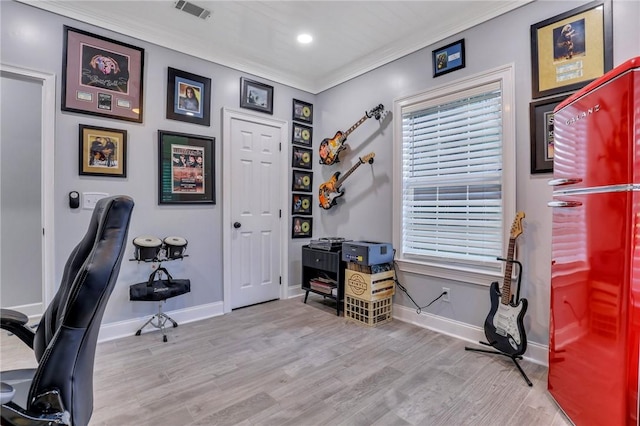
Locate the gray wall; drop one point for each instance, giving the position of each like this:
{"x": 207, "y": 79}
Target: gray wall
{"x": 20, "y": 176}
{"x": 367, "y": 214}
{"x": 32, "y": 38}
{"x": 366, "y": 210}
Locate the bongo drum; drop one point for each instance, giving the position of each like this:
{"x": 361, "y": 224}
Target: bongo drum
{"x": 147, "y": 247}
{"x": 175, "y": 247}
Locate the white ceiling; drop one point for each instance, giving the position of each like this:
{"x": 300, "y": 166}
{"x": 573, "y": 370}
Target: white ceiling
{"x": 259, "y": 37}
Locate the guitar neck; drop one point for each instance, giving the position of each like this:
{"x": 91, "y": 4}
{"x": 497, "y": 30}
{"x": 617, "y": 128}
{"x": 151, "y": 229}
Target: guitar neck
{"x": 347, "y": 173}
{"x": 355, "y": 126}
{"x": 508, "y": 270}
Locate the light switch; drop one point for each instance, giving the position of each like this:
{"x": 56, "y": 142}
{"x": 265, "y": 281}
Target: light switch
{"x": 89, "y": 199}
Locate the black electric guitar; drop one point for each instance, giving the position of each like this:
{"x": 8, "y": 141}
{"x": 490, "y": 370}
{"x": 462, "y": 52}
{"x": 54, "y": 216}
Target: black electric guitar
{"x": 330, "y": 190}
{"x": 330, "y": 148}
{"x": 504, "y": 326}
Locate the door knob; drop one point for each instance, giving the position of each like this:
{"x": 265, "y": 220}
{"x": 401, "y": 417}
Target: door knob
{"x": 237, "y": 225}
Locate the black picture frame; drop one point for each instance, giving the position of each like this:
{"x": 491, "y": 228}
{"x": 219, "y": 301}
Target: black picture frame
{"x": 560, "y": 60}
{"x": 301, "y": 134}
{"x": 541, "y": 120}
{"x": 301, "y": 204}
{"x": 256, "y": 96}
{"x": 101, "y": 76}
{"x": 194, "y": 109}
{"x": 448, "y": 58}
{"x": 302, "y": 111}
{"x": 301, "y": 157}
{"x": 102, "y": 151}
{"x": 301, "y": 227}
{"x": 302, "y": 181}
{"x": 182, "y": 179}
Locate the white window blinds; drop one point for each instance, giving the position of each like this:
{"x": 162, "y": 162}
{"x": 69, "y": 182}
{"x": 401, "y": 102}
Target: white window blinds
{"x": 452, "y": 201}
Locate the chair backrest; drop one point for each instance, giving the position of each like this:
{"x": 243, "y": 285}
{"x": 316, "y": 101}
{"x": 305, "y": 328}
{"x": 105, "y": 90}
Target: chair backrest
{"x": 65, "y": 341}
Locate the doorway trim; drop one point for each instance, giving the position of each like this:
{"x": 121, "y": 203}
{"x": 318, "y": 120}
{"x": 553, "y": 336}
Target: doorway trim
{"x": 47, "y": 163}
{"x": 229, "y": 114}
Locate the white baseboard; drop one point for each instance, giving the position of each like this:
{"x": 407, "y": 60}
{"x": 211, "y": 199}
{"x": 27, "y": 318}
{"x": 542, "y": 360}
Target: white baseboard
{"x": 116, "y": 330}
{"x": 294, "y": 292}
{"x": 536, "y": 352}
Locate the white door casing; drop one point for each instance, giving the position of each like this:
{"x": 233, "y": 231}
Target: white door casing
{"x": 253, "y": 212}
{"x": 48, "y": 118}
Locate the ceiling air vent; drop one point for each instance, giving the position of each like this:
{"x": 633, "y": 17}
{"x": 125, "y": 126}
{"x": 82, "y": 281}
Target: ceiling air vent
{"x": 192, "y": 9}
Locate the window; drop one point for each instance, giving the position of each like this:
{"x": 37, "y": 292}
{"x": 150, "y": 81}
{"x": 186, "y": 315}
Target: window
{"x": 454, "y": 191}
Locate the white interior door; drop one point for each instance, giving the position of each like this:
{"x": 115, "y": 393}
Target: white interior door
{"x": 26, "y": 203}
{"x": 254, "y": 209}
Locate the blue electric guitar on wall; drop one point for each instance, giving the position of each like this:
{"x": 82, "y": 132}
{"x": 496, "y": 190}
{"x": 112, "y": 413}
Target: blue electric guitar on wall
{"x": 504, "y": 325}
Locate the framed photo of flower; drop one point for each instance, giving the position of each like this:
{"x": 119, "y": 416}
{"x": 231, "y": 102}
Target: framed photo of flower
{"x": 101, "y": 76}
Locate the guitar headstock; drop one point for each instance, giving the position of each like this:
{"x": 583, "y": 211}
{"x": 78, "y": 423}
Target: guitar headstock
{"x": 377, "y": 112}
{"x": 516, "y": 227}
{"x": 368, "y": 158}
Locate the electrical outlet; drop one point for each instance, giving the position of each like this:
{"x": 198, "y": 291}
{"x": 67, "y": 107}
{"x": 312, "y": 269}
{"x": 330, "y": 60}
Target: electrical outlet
{"x": 90, "y": 199}
{"x": 445, "y": 298}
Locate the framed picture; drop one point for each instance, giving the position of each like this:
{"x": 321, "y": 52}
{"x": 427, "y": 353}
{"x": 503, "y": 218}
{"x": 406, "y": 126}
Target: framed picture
{"x": 542, "y": 120}
{"x": 301, "y": 204}
{"x": 188, "y": 97}
{"x": 186, "y": 168}
{"x": 255, "y": 95}
{"x": 448, "y": 58}
{"x": 101, "y": 76}
{"x": 301, "y": 157}
{"x": 103, "y": 152}
{"x": 302, "y": 181}
{"x": 572, "y": 49}
{"x": 301, "y": 134}
{"x": 301, "y": 227}
{"x": 302, "y": 111}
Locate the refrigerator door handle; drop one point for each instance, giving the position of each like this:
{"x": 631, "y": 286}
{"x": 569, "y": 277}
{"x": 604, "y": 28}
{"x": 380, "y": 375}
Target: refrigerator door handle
{"x": 564, "y": 181}
{"x": 564, "y": 204}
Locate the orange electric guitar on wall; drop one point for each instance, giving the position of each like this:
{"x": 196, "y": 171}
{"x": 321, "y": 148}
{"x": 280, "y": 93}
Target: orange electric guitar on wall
{"x": 330, "y": 148}
{"x": 330, "y": 190}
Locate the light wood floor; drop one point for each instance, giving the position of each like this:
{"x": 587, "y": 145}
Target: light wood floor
{"x": 287, "y": 363}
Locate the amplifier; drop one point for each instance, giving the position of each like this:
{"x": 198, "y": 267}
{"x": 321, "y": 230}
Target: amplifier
{"x": 367, "y": 252}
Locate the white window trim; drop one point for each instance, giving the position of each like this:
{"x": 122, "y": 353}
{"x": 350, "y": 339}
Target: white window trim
{"x": 505, "y": 76}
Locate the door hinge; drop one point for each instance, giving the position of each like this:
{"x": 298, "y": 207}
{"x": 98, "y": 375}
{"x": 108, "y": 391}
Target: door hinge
{"x": 280, "y": 279}
{"x": 280, "y": 213}
{"x": 280, "y": 146}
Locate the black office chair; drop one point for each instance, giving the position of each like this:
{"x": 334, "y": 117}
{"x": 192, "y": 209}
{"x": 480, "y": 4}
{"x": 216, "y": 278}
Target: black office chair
{"x": 60, "y": 390}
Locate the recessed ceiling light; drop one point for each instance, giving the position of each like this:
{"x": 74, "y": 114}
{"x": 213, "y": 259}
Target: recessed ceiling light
{"x": 305, "y": 38}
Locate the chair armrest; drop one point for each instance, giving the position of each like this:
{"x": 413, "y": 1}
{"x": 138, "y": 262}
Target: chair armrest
{"x": 6, "y": 393}
{"x": 16, "y": 322}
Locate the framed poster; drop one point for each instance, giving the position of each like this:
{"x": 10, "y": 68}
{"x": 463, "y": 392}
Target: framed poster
{"x": 301, "y": 227}
{"x": 256, "y": 96}
{"x": 301, "y": 157}
{"x": 302, "y": 181}
{"x": 448, "y": 58}
{"x": 102, "y": 151}
{"x": 302, "y": 111}
{"x": 186, "y": 168}
{"x": 301, "y": 204}
{"x": 301, "y": 134}
{"x": 542, "y": 121}
{"x": 101, "y": 76}
{"x": 188, "y": 97}
{"x": 572, "y": 49}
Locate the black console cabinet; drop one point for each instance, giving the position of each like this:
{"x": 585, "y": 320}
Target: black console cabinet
{"x": 317, "y": 263}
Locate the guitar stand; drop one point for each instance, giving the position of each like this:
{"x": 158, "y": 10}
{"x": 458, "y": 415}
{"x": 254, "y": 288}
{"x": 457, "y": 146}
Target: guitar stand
{"x": 514, "y": 358}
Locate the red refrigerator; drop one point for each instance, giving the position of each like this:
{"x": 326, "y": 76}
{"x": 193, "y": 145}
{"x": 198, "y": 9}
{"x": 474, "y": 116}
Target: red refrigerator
{"x": 594, "y": 326}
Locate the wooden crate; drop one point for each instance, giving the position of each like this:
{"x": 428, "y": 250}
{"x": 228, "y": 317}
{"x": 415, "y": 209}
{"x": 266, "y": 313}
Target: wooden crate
{"x": 368, "y": 312}
{"x": 369, "y": 286}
